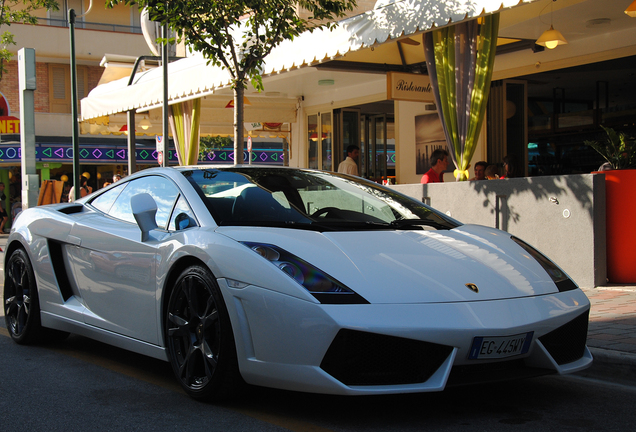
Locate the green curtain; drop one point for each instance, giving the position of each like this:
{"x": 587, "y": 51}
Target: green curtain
{"x": 460, "y": 61}
{"x": 184, "y": 122}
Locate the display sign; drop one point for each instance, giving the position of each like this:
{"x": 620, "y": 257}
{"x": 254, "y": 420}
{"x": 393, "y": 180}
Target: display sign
{"x": 409, "y": 87}
{"x": 63, "y": 153}
{"x": 9, "y": 125}
{"x": 88, "y": 154}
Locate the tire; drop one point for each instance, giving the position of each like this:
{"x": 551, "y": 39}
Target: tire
{"x": 199, "y": 339}
{"x": 21, "y": 305}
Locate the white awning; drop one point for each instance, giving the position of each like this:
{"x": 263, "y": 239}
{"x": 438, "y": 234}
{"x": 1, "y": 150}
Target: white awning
{"x": 193, "y": 78}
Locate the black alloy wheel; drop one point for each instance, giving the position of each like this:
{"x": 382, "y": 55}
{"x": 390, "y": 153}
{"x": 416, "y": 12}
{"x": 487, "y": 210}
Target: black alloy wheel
{"x": 199, "y": 338}
{"x": 21, "y": 307}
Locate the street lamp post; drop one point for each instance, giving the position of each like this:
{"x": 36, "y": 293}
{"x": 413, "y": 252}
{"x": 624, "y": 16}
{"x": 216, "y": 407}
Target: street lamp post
{"x": 74, "y": 113}
{"x": 75, "y": 139}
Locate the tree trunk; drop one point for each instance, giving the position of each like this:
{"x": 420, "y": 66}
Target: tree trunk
{"x": 239, "y": 91}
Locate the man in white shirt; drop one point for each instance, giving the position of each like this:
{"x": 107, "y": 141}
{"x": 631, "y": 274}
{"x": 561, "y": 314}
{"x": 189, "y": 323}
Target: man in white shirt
{"x": 349, "y": 165}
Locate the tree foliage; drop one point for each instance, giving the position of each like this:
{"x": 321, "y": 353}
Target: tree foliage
{"x": 18, "y": 11}
{"x": 238, "y": 34}
{"x": 210, "y": 144}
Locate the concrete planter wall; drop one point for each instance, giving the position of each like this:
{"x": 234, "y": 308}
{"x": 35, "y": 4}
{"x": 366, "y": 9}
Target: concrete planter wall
{"x": 562, "y": 216}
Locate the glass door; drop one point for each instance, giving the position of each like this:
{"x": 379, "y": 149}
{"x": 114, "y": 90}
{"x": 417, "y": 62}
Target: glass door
{"x": 346, "y": 133}
{"x": 373, "y": 151}
{"x": 319, "y": 142}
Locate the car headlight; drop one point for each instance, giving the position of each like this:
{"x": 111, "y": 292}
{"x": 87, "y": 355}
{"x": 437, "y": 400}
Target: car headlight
{"x": 562, "y": 280}
{"x": 319, "y": 284}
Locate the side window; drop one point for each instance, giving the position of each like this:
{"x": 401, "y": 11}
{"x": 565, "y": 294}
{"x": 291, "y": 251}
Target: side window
{"x": 105, "y": 201}
{"x": 161, "y": 189}
{"x": 182, "y": 216}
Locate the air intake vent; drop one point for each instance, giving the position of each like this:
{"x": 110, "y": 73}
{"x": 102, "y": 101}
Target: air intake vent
{"x": 360, "y": 358}
{"x": 567, "y": 343}
{"x": 71, "y": 209}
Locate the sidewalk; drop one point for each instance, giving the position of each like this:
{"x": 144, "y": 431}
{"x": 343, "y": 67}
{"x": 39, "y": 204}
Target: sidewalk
{"x": 611, "y": 335}
{"x": 612, "y": 318}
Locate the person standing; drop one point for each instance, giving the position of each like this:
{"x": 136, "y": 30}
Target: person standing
{"x": 439, "y": 163}
{"x": 3, "y": 211}
{"x": 350, "y": 165}
{"x": 83, "y": 182}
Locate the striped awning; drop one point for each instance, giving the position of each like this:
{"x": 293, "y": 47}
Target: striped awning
{"x": 192, "y": 77}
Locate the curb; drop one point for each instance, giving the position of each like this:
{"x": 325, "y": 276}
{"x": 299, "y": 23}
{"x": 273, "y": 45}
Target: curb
{"x": 615, "y": 366}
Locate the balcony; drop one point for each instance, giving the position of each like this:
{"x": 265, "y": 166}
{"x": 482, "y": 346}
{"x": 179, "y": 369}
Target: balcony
{"x": 80, "y": 24}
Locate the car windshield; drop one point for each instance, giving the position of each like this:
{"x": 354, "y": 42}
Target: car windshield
{"x": 305, "y": 199}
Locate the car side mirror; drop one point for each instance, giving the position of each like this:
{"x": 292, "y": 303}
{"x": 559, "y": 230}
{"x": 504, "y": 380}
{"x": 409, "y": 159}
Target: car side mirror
{"x": 144, "y": 209}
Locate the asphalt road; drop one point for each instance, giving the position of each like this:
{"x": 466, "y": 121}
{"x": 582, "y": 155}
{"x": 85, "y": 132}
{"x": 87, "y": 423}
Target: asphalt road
{"x": 80, "y": 384}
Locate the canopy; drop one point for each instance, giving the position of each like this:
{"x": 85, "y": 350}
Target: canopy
{"x": 193, "y": 78}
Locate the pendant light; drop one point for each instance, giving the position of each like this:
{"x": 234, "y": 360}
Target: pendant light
{"x": 551, "y": 38}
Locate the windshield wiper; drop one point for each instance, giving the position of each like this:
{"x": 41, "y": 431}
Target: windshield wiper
{"x": 409, "y": 223}
{"x": 276, "y": 224}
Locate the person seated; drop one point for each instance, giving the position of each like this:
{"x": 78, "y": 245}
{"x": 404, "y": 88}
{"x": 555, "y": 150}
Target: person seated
{"x": 439, "y": 163}
{"x": 480, "y": 170}
{"x": 510, "y": 167}
{"x": 491, "y": 172}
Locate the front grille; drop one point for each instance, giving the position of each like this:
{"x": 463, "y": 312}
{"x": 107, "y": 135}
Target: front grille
{"x": 361, "y": 358}
{"x": 567, "y": 343}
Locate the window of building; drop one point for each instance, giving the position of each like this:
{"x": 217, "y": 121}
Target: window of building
{"x": 60, "y": 17}
{"x": 60, "y": 89}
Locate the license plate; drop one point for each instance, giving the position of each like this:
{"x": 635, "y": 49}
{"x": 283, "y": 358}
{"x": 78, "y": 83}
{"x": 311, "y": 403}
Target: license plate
{"x": 489, "y": 347}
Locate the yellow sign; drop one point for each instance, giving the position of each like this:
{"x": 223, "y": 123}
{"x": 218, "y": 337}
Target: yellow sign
{"x": 9, "y": 125}
{"x": 409, "y": 87}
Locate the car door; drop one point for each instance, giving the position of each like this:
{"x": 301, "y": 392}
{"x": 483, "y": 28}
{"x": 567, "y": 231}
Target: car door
{"x": 114, "y": 270}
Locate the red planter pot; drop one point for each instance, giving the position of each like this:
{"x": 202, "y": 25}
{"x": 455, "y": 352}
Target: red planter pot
{"x": 620, "y": 191}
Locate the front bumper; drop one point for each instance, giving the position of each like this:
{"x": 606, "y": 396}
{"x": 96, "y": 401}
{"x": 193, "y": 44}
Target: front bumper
{"x": 283, "y": 342}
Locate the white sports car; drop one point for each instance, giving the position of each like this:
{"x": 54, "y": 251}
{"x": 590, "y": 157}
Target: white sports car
{"x": 294, "y": 279}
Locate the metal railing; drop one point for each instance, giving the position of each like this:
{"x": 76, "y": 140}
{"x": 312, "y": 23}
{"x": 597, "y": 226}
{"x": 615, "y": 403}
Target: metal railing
{"x": 54, "y": 22}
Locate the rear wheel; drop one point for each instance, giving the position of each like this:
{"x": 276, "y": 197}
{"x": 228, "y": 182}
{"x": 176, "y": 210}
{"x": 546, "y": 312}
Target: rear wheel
{"x": 199, "y": 338}
{"x": 21, "y": 303}
{"x": 21, "y": 306}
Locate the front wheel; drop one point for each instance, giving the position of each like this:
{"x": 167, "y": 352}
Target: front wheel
{"x": 199, "y": 338}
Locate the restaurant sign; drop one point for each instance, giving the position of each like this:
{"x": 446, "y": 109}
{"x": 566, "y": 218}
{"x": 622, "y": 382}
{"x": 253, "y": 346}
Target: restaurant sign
{"x": 409, "y": 87}
{"x": 8, "y": 123}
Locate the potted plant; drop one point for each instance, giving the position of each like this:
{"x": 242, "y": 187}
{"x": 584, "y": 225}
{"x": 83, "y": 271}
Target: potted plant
{"x": 620, "y": 204}
{"x": 618, "y": 150}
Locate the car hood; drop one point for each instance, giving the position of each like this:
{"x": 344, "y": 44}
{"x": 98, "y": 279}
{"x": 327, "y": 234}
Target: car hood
{"x": 413, "y": 266}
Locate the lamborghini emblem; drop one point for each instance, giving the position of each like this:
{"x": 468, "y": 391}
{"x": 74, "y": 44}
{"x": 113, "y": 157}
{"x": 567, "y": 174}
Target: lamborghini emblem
{"x": 472, "y": 287}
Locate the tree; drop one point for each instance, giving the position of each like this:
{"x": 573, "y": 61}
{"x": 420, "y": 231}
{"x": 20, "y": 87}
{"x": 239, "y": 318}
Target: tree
{"x": 18, "y": 11}
{"x": 212, "y": 144}
{"x": 238, "y": 34}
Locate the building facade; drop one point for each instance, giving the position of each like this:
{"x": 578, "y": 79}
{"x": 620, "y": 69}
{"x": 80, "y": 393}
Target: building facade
{"x": 98, "y": 33}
